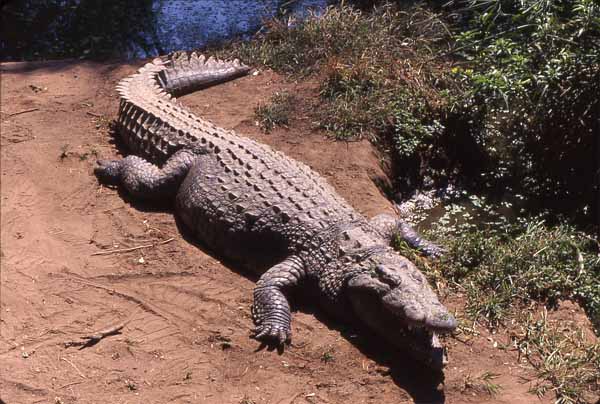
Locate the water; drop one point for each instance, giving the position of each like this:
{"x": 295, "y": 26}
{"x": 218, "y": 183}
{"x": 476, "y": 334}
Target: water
{"x": 41, "y": 29}
{"x": 185, "y": 24}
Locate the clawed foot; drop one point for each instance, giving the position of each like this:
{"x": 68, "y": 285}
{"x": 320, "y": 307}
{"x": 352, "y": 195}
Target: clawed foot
{"x": 272, "y": 333}
{"x": 413, "y": 239}
{"x": 108, "y": 171}
{"x": 433, "y": 250}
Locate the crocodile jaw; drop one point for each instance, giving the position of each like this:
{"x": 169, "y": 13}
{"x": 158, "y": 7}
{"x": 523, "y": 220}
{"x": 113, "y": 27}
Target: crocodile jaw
{"x": 418, "y": 341}
{"x": 396, "y": 302}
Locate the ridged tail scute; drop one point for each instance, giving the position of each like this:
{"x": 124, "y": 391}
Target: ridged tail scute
{"x": 151, "y": 122}
{"x": 186, "y": 73}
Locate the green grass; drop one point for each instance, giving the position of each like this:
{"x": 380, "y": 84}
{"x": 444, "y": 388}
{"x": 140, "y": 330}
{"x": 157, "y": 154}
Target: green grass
{"x": 567, "y": 363}
{"x": 328, "y": 355}
{"x": 503, "y": 270}
{"x": 277, "y": 112}
{"x": 363, "y": 60}
{"x": 482, "y": 383}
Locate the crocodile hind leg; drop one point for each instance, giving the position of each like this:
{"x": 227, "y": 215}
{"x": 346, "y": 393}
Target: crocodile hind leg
{"x": 271, "y": 310}
{"x": 390, "y": 227}
{"x": 146, "y": 180}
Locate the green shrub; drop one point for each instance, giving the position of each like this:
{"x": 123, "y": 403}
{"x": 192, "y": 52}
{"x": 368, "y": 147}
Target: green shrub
{"x": 532, "y": 79}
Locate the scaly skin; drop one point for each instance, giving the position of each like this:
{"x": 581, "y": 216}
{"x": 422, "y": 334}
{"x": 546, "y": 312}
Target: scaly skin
{"x": 270, "y": 213}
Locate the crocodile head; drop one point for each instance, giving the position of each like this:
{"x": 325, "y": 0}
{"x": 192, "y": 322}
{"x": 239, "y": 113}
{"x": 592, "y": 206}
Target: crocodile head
{"x": 391, "y": 296}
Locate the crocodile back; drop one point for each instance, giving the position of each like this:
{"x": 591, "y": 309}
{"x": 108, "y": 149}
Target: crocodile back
{"x": 240, "y": 180}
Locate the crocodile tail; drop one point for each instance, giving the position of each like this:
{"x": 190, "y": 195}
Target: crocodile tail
{"x": 151, "y": 121}
{"x": 188, "y": 72}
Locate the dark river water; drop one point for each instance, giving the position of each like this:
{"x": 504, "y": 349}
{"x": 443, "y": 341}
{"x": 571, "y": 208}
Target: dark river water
{"x": 184, "y": 24}
{"x": 41, "y": 29}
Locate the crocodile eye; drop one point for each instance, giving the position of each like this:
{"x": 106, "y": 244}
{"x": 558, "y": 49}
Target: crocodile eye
{"x": 417, "y": 277}
{"x": 388, "y": 275}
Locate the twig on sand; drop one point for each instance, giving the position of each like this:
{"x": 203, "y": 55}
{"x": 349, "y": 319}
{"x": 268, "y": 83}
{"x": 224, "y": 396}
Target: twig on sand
{"x": 94, "y": 114}
{"x": 23, "y": 112}
{"x": 74, "y": 367}
{"x": 94, "y": 338}
{"x": 124, "y": 250}
{"x": 70, "y": 384}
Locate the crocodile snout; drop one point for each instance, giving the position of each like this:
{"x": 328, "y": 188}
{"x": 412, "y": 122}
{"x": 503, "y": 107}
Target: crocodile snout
{"x": 441, "y": 322}
{"x": 420, "y": 310}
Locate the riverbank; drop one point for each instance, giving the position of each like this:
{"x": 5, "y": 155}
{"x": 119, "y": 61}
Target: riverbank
{"x": 368, "y": 101}
{"x": 187, "y": 314}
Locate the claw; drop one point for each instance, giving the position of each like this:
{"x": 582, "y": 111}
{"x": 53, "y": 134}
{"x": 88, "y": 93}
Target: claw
{"x": 272, "y": 334}
{"x": 435, "y": 251}
{"x": 282, "y": 337}
{"x": 262, "y": 333}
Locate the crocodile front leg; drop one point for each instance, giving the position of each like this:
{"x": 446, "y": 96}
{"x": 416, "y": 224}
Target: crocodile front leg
{"x": 271, "y": 310}
{"x": 145, "y": 180}
{"x": 390, "y": 227}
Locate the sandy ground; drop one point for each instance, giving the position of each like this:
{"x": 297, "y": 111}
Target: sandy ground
{"x": 186, "y": 315}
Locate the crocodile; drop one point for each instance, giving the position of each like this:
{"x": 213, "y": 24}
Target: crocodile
{"x": 271, "y": 214}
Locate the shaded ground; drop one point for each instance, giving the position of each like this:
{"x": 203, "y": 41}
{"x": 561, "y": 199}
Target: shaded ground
{"x": 188, "y": 318}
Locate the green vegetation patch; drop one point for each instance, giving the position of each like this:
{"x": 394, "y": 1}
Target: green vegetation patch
{"x": 567, "y": 362}
{"x": 504, "y": 270}
{"x": 531, "y": 70}
{"x": 277, "y": 112}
